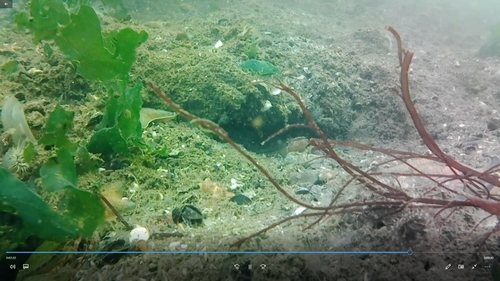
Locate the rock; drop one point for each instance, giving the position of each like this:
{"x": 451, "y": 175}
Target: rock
{"x": 298, "y": 144}
{"x": 174, "y": 245}
{"x": 308, "y": 178}
{"x": 302, "y": 190}
{"x": 241, "y": 199}
{"x": 493, "y": 124}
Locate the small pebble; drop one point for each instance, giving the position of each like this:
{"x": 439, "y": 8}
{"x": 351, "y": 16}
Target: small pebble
{"x": 174, "y": 245}
{"x": 241, "y": 199}
{"x": 302, "y": 190}
{"x": 299, "y": 211}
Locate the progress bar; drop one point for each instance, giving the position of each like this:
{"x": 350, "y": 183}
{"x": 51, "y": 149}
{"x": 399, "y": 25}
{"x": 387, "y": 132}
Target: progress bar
{"x": 408, "y": 252}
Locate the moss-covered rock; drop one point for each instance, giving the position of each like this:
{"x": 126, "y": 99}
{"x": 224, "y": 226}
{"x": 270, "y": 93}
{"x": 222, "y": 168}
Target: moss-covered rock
{"x": 210, "y": 83}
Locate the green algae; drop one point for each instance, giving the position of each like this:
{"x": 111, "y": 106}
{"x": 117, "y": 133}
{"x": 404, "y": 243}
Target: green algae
{"x": 263, "y": 68}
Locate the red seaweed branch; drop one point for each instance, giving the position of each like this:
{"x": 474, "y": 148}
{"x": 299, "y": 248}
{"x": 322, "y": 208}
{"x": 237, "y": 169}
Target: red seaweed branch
{"x": 490, "y": 206}
{"x": 389, "y": 196}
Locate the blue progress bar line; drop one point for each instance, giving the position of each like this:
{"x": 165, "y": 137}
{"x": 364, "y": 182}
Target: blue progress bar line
{"x": 408, "y": 252}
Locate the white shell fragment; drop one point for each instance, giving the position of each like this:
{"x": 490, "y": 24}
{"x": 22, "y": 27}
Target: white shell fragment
{"x": 267, "y": 106}
{"x": 139, "y": 233}
{"x": 34, "y": 71}
{"x": 218, "y": 44}
{"x": 299, "y": 211}
{"x": 275, "y": 91}
{"x": 270, "y": 89}
{"x": 235, "y": 184}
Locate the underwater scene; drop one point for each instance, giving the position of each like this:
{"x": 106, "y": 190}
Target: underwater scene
{"x": 249, "y": 140}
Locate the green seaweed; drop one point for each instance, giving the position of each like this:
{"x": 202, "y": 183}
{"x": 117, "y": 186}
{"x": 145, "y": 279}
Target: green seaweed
{"x": 120, "y": 126}
{"x": 10, "y": 67}
{"x": 84, "y": 162}
{"x": 59, "y": 172}
{"x": 263, "y": 68}
{"x": 48, "y": 51}
{"x": 252, "y": 50}
{"x": 83, "y": 208}
{"x": 98, "y": 57}
{"x": 44, "y": 20}
{"x": 29, "y": 152}
{"x": 108, "y": 140}
{"x": 38, "y": 217}
{"x": 56, "y": 129}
